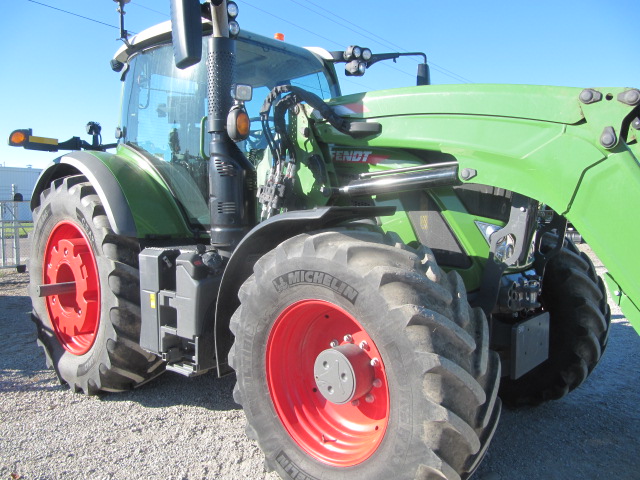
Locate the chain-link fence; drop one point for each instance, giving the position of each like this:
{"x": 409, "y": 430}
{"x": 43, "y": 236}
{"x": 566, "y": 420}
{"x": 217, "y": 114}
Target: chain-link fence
{"x": 15, "y": 225}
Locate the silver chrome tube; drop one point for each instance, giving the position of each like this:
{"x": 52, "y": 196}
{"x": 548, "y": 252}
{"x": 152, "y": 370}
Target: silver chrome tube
{"x": 439, "y": 177}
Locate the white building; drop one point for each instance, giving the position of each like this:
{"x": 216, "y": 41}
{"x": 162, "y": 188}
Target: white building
{"x": 22, "y": 179}
{"x": 18, "y": 180}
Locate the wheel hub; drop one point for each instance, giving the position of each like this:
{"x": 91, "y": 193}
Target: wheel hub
{"x": 343, "y": 374}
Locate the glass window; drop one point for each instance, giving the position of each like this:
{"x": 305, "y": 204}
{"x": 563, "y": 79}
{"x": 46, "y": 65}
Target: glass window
{"x": 165, "y": 108}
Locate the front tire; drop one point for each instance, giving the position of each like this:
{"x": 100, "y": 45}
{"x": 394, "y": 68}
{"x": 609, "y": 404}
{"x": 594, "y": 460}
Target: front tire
{"x": 422, "y": 397}
{"x": 580, "y": 319}
{"x": 90, "y": 334}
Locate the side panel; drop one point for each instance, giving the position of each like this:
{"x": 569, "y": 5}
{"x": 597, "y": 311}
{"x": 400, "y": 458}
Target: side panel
{"x": 525, "y": 156}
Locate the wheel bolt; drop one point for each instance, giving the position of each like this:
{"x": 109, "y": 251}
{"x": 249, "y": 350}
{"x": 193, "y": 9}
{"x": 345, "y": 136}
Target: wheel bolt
{"x": 369, "y": 398}
{"x": 348, "y": 338}
{"x": 374, "y": 362}
{"x": 377, "y": 383}
{"x": 364, "y": 345}
{"x": 333, "y": 343}
{"x": 355, "y": 403}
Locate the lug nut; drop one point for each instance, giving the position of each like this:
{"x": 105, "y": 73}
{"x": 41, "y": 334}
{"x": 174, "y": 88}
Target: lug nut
{"x": 377, "y": 383}
{"x": 369, "y": 398}
{"x": 348, "y": 338}
{"x": 374, "y": 362}
{"x": 364, "y": 345}
{"x": 333, "y": 343}
{"x": 355, "y": 403}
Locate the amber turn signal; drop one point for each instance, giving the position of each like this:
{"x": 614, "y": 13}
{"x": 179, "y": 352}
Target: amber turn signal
{"x": 19, "y": 137}
{"x": 238, "y": 124}
{"x": 243, "y": 124}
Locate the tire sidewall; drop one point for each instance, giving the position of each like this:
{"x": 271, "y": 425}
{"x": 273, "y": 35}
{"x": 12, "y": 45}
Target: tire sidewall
{"x": 66, "y": 205}
{"x": 369, "y": 308}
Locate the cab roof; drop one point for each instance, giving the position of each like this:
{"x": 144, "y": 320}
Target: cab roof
{"x": 160, "y": 34}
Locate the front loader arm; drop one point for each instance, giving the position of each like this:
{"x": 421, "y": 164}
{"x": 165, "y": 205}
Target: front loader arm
{"x": 580, "y": 158}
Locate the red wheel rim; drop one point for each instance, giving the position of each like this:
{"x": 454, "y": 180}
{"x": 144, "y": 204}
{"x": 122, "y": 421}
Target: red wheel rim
{"x": 75, "y": 316}
{"x": 339, "y": 435}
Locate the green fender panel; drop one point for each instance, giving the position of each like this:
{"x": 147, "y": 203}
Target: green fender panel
{"x": 136, "y": 199}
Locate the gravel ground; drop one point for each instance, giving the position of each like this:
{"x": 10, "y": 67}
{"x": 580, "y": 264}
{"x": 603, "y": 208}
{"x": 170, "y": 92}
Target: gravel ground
{"x": 180, "y": 428}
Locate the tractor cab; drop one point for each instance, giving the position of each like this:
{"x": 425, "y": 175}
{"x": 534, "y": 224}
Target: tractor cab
{"x": 164, "y": 113}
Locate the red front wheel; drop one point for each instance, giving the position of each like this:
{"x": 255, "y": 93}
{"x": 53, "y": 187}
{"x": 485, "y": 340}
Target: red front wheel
{"x": 327, "y": 382}
{"x": 358, "y": 359}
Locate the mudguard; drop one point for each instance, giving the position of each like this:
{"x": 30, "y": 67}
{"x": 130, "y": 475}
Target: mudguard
{"x": 137, "y": 202}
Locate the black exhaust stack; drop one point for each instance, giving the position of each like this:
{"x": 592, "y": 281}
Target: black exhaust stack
{"x": 231, "y": 175}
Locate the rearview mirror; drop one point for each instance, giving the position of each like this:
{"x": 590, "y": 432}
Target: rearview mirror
{"x": 186, "y": 31}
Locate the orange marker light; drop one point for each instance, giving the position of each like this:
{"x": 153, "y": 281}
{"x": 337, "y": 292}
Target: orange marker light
{"x": 18, "y": 137}
{"x": 238, "y": 124}
{"x": 279, "y": 36}
{"x": 243, "y": 124}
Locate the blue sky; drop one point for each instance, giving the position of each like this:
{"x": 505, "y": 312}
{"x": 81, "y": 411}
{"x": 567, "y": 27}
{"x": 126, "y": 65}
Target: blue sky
{"x": 56, "y": 77}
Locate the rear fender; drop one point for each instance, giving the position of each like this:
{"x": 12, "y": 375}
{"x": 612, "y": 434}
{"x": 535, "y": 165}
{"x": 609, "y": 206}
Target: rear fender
{"x": 136, "y": 201}
{"x": 106, "y": 186}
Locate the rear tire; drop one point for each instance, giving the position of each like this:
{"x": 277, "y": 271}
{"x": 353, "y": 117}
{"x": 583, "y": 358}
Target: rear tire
{"x": 580, "y": 318}
{"x": 91, "y": 335}
{"x": 434, "y": 405}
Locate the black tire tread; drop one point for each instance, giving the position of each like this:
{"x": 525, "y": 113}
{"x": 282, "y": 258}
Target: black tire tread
{"x": 460, "y": 374}
{"x": 576, "y": 299}
{"x": 123, "y": 364}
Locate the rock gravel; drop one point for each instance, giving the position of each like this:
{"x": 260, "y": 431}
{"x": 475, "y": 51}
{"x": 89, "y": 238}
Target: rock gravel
{"x": 188, "y": 429}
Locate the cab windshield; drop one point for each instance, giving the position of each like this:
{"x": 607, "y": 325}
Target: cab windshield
{"x": 164, "y": 110}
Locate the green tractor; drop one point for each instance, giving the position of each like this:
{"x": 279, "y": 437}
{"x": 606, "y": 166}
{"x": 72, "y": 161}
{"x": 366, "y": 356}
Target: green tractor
{"x": 382, "y": 270}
